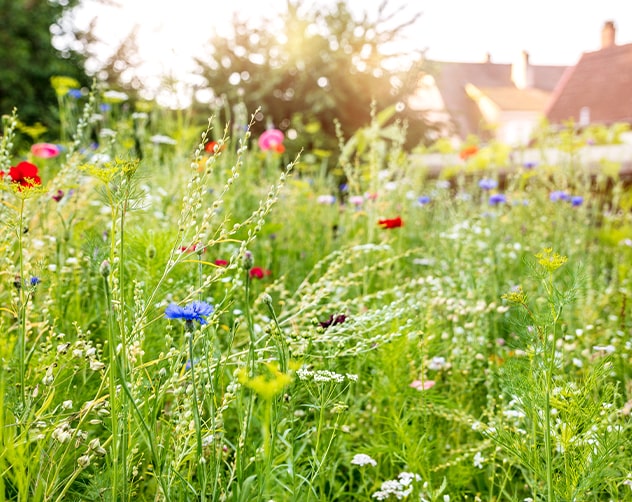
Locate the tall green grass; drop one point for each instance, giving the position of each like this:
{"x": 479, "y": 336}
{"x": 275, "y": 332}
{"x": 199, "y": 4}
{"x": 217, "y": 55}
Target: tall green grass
{"x": 480, "y": 351}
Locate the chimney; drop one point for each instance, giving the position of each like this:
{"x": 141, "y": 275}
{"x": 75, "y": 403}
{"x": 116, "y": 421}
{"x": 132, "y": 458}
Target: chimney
{"x": 487, "y": 58}
{"x": 607, "y": 35}
{"x": 522, "y": 72}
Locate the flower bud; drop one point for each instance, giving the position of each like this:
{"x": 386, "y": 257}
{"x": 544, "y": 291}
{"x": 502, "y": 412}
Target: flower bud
{"x": 248, "y": 260}
{"x": 105, "y": 268}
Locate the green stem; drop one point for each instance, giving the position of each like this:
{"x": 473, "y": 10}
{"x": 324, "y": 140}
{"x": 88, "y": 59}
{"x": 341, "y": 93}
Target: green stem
{"x": 21, "y": 309}
{"x": 114, "y": 402}
{"x": 196, "y": 415}
{"x": 251, "y": 369}
{"x": 550, "y": 368}
{"x": 277, "y": 336}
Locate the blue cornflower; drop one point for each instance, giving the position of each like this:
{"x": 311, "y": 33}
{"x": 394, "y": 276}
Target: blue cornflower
{"x": 35, "y": 281}
{"x": 558, "y": 195}
{"x": 497, "y": 198}
{"x": 423, "y": 200}
{"x": 577, "y": 200}
{"x": 194, "y": 311}
{"x": 487, "y": 184}
{"x": 75, "y": 93}
{"x": 529, "y": 165}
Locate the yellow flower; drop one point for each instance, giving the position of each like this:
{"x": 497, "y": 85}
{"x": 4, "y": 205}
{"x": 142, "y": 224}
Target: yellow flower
{"x": 549, "y": 260}
{"x": 110, "y": 170}
{"x": 516, "y": 295}
{"x": 268, "y": 385}
{"x": 63, "y": 84}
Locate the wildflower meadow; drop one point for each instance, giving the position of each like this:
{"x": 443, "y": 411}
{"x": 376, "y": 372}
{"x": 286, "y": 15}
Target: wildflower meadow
{"x": 187, "y": 313}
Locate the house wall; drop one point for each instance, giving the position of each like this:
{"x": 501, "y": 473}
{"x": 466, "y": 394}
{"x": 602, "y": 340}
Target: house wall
{"x": 515, "y": 127}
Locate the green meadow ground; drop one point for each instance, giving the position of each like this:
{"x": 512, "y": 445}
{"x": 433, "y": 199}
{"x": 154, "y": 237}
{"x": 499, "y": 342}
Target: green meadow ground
{"x": 234, "y": 325}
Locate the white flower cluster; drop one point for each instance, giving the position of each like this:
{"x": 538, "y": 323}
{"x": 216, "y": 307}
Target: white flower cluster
{"x": 363, "y": 459}
{"x": 438, "y": 363}
{"x": 324, "y": 376}
{"x": 400, "y": 487}
{"x": 161, "y": 139}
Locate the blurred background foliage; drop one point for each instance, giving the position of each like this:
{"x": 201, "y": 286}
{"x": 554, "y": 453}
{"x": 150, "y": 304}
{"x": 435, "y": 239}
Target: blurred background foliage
{"x": 310, "y": 67}
{"x": 304, "y": 69}
{"x": 29, "y": 57}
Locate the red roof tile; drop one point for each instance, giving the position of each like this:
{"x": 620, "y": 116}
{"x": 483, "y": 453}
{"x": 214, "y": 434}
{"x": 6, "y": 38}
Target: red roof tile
{"x": 601, "y": 82}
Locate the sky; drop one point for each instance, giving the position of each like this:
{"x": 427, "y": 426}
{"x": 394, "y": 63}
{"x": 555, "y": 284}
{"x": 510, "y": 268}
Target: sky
{"x": 553, "y": 32}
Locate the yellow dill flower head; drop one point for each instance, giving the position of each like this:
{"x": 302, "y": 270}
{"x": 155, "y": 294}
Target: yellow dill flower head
{"x": 516, "y": 295}
{"x": 549, "y": 260}
{"x": 268, "y": 385}
{"x": 108, "y": 171}
{"x": 63, "y": 84}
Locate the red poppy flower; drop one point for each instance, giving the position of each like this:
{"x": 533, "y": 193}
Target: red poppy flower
{"x": 210, "y": 147}
{"x": 391, "y": 223}
{"x": 25, "y": 174}
{"x": 221, "y": 263}
{"x": 258, "y": 272}
{"x": 468, "y": 151}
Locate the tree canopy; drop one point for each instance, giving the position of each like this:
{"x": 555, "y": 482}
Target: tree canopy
{"x": 308, "y": 68}
{"x": 28, "y": 58}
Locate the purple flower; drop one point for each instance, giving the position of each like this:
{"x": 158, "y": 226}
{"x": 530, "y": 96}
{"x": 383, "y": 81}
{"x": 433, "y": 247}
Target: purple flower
{"x": 423, "y": 200}
{"x": 75, "y": 93}
{"x": 577, "y": 200}
{"x": 487, "y": 184}
{"x": 529, "y": 165}
{"x": 194, "y": 311}
{"x": 497, "y": 198}
{"x": 558, "y": 195}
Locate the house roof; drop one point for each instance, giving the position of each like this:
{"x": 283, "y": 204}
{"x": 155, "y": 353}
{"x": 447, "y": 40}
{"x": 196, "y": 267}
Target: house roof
{"x": 452, "y": 78}
{"x": 601, "y": 82}
{"x": 514, "y": 99}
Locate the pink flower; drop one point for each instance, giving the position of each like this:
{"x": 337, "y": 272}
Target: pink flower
{"x": 272, "y": 139}
{"x": 45, "y": 150}
{"x": 356, "y": 200}
{"x": 421, "y": 386}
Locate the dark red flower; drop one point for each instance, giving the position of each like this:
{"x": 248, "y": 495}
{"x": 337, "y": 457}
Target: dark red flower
{"x": 25, "y": 174}
{"x": 221, "y": 263}
{"x": 333, "y": 320}
{"x": 391, "y": 223}
{"x": 192, "y": 248}
{"x": 258, "y": 272}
